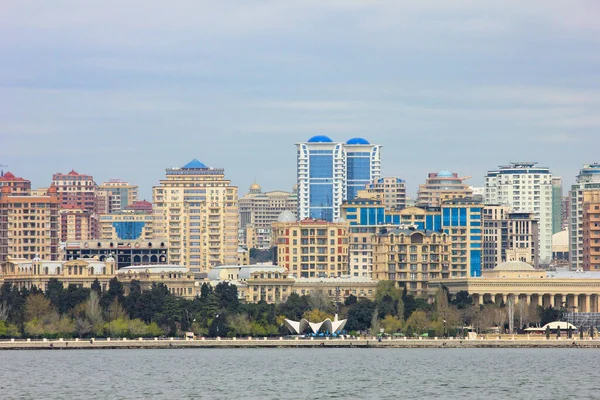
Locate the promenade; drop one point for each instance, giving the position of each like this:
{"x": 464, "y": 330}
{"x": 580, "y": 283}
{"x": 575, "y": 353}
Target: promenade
{"x": 169, "y": 343}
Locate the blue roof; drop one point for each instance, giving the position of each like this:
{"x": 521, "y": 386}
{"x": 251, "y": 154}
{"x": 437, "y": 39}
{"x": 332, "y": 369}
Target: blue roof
{"x": 445, "y": 174}
{"x": 195, "y": 164}
{"x": 357, "y": 140}
{"x": 320, "y": 139}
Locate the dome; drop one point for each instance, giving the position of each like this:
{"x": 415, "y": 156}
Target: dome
{"x": 286, "y": 216}
{"x": 8, "y": 175}
{"x": 514, "y": 266}
{"x": 195, "y": 164}
{"x": 445, "y": 174}
{"x": 357, "y": 140}
{"x": 320, "y": 139}
{"x": 255, "y": 186}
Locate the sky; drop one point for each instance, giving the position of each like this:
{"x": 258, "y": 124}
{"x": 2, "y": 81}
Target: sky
{"x": 125, "y": 89}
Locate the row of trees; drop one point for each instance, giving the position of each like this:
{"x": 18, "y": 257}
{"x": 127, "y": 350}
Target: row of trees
{"x": 82, "y": 312}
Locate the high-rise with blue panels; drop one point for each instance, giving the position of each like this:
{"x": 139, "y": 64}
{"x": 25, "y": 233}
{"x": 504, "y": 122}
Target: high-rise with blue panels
{"x": 330, "y": 172}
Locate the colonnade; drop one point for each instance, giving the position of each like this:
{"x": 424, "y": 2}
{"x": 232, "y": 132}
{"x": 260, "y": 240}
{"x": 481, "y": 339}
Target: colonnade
{"x": 571, "y": 301}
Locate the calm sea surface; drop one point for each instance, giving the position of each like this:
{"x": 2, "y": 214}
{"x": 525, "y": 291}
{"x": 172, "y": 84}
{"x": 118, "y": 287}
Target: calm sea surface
{"x": 301, "y": 374}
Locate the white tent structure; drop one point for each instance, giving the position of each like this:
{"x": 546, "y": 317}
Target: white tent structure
{"x": 553, "y": 326}
{"x": 297, "y": 327}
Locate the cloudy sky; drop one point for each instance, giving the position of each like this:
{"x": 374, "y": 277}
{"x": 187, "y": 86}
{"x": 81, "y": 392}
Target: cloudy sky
{"x": 124, "y": 89}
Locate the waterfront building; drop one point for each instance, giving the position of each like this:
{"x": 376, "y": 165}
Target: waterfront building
{"x": 125, "y": 252}
{"x": 412, "y": 258}
{"x": 77, "y": 195}
{"x": 179, "y": 280}
{"x": 28, "y": 224}
{"x": 525, "y": 187}
{"x": 508, "y": 236}
{"x": 587, "y": 181}
{"x": 557, "y": 195}
{"x": 259, "y": 210}
{"x": 18, "y": 186}
{"x": 391, "y": 190}
{"x": 520, "y": 282}
{"x": 312, "y": 248}
{"x": 118, "y": 194}
{"x": 274, "y": 284}
{"x": 196, "y": 209}
{"x": 442, "y": 186}
{"x": 27, "y": 273}
{"x": 330, "y": 172}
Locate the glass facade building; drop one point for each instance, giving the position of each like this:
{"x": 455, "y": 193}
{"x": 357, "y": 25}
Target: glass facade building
{"x": 331, "y": 172}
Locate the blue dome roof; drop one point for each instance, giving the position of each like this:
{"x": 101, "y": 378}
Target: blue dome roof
{"x": 320, "y": 139}
{"x": 445, "y": 174}
{"x": 195, "y": 164}
{"x": 357, "y": 140}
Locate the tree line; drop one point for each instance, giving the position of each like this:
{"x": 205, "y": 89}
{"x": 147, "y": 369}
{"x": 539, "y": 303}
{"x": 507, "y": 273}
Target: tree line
{"x": 91, "y": 312}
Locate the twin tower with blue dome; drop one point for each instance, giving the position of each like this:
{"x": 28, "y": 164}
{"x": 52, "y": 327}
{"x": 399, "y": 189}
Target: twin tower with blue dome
{"x": 331, "y": 172}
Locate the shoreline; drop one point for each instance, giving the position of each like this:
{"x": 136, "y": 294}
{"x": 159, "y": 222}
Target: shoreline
{"x": 172, "y": 343}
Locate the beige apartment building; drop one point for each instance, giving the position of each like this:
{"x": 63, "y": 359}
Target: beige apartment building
{"x": 259, "y": 210}
{"x": 196, "y": 209}
{"x": 312, "y": 248}
{"x": 391, "y": 191}
{"x": 412, "y": 258}
{"x": 29, "y": 225}
{"x": 127, "y": 225}
{"x": 442, "y": 186}
{"x": 509, "y": 236}
{"x": 591, "y": 230}
{"x": 115, "y": 195}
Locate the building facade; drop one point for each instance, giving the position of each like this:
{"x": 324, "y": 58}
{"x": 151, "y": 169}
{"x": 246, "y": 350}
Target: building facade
{"x": 330, "y": 172}
{"x": 125, "y": 252}
{"x": 525, "y": 187}
{"x": 179, "y": 280}
{"x": 508, "y": 236}
{"x": 391, "y": 190}
{"x": 412, "y": 258}
{"x": 127, "y": 225}
{"x": 591, "y": 230}
{"x": 77, "y": 192}
{"x": 557, "y": 195}
{"x": 117, "y": 195}
{"x": 259, "y": 210}
{"x": 587, "y": 181}
{"x": 312, "y": 248}
{"x": 18, "y": 186}
{"x": 442, "y": 186}
{"x": 28, "y": 225}
{"x": 196, "y": 210}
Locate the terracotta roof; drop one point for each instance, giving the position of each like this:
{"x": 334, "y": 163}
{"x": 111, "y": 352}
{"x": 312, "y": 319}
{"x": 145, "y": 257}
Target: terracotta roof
{"x": 9, "y": 176}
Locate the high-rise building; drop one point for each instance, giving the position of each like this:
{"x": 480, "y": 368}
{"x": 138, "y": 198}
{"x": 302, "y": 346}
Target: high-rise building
{"x": 259, "y": 210}
{"x": 28, "y": 225}
{"x": 196, "y": 209}
{"x": 557, "y": 194}
{"x": 508, "y": 236}
{"x": 18, "y": 186}
{"x": 391, "y": 190}
{"x": 588, "y": 180}
{"x": 117, "y": 194}
{"x": 441, "y": 186}
{"x": 591, "y": 230}
{"x": 132, "y": 225}
{"x": 330, "y": 172}
{"x": 77, "y": 195}
{"x": 311, "y": 248}
{"x": 525, "y": 187}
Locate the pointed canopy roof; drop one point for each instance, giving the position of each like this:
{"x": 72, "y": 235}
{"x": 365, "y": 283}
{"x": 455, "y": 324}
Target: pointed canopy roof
{"x": 195, "y": 164}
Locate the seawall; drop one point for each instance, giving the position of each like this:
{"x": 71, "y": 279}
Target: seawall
{"x": 170, "y": 343}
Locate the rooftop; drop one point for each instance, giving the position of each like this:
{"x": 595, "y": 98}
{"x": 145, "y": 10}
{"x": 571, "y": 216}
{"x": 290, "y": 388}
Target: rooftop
{"x": 357, "y": 140}
{"x": 514, "y": 266}
{"x": 320, "y": 139}
{"x": 158, "y": 268}
{"x": 195, "y": 164}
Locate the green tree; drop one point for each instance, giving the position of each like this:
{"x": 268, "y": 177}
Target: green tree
{"x": 391, "y": 324}
{"x": 352, "y": 299}
{"x": 360, "y": 315}
{"x": 294, "y": 307}
{"x": 239, "y": 324}
{"x": 418, "y": 321}
{"x": 315, "y": 315}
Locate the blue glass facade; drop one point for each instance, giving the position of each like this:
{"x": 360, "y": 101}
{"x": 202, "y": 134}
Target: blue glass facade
{"x": 128, "y": 230}
{"x": 321, "y": 184}
{"x": 358, "y": 172}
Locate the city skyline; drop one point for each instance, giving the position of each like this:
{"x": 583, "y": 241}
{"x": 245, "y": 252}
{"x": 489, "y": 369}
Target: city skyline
{"x": 462, "y": 86}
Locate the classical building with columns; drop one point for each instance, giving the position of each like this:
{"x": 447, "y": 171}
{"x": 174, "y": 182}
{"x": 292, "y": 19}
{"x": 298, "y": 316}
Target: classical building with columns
{"x": 519, "y": 281}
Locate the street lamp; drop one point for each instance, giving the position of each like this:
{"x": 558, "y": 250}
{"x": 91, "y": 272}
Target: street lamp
{"x": 445, "y": 334}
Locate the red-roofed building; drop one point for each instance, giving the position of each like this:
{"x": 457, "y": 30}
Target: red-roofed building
{"x": 77, "y": 194}
{"x": 18, "y": 186}
{"x": 140, "y": 206}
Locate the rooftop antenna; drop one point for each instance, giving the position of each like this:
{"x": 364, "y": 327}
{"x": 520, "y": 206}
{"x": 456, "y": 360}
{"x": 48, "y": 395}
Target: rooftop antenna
{"x": 2, "y": 171}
